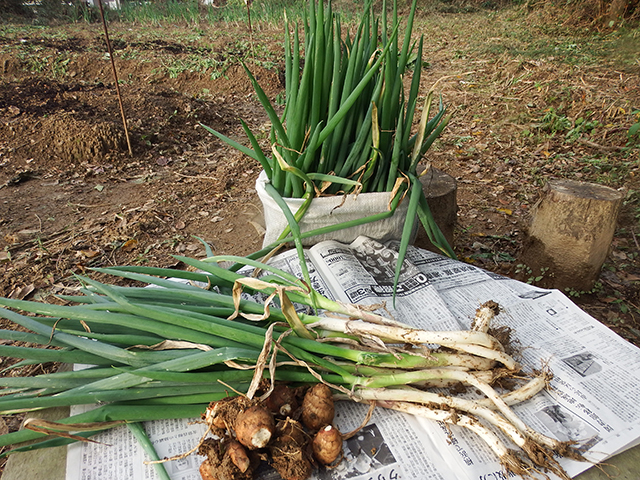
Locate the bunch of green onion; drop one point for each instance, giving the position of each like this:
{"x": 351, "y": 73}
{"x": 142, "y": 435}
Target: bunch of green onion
{"x": 166, "y": 352}
{"x": 347, "y": 125}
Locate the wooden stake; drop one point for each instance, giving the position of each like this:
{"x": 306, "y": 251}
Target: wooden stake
{"x": 248, "y": 4}
{"x": 115, "y": 77}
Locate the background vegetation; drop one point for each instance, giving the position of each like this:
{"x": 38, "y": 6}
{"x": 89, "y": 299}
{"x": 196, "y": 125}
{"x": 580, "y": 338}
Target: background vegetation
{"x": 598, "y": 14}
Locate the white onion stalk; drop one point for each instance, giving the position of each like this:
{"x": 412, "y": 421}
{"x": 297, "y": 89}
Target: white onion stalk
{"x": 479, "y": 358}
{"x": 477, "y": 408}
{"x": 485, "y": 388}
{"x": 407, "y": 335}
{"x": 473, "y": 407}
{"x": 484, "y": 315}
{"x": 502, "y": 406}
{"x": 485, "y": 375}
{"x": 429, "y": 399}
{"x": 508, "y": 458}
{"x": 526, "y": 391}
{"x": 408, "y": 394}
{"x": 493, "y": 354}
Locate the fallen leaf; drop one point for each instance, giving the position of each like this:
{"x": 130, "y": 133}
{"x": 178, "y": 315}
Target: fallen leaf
{"x": 619, "y": 255}
{"x": 259, "y": 228}
{"x": 506, "y": 211}
{"x": 99, "y": 187}
{"x": 88, "y": 253}
{"x": 629, "y": 277}
{"x": 129, "y": 245}
{"x": 609, "y": 299}
{"x": 21, "y": 293}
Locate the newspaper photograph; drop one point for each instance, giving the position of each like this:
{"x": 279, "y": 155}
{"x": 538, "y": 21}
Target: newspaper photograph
{"x": 592, "y": 399}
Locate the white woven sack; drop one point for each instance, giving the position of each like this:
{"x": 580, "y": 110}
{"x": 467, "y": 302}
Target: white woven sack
{"x": 325, "y": 211}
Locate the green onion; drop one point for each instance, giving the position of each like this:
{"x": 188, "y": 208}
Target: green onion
{"x": 137, "y": 429}
{"x": 347, "y": 116}
{"x": 203, "y": 357}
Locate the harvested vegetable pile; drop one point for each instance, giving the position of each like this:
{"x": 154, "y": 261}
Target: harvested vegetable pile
{"x": 291, "y": 429}
{"x": 185, "y": 345}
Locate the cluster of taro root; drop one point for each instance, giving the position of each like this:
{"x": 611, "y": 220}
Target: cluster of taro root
{"x": 291, "y": 430}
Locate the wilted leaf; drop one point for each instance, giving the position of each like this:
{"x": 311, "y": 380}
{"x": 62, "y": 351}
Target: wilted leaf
{"x": 21, "y": 293}
{"x": 175, "y": 344}
{"x": 609, "y": 299}
{"x": 58, "y": 429}
{"x": 629, "y": 277}
{"x": 129, "y": 245}
{"x": 88, "y": 253}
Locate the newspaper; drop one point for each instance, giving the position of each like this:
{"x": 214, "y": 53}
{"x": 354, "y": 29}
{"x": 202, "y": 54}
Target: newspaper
{"x": 592, "y": 401}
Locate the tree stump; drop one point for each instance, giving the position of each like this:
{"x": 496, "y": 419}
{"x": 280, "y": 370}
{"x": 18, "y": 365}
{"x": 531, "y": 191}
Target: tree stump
{"x": 441, "y": 191}
{"x": 570, "y": 233}
{"x": 616, "y": 11}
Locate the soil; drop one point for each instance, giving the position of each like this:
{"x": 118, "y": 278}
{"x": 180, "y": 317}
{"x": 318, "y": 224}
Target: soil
{"x": 73, "y": 198}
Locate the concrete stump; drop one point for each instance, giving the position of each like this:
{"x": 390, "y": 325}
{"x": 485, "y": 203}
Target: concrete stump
{"x": 570, "y": 234}
{"x": 441, "y": 191}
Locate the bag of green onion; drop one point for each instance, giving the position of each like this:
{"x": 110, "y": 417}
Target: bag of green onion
{"x": 347, "y": 128}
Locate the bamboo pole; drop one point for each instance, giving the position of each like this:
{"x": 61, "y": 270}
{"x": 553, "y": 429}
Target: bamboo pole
{"x": 115, "y": 77}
